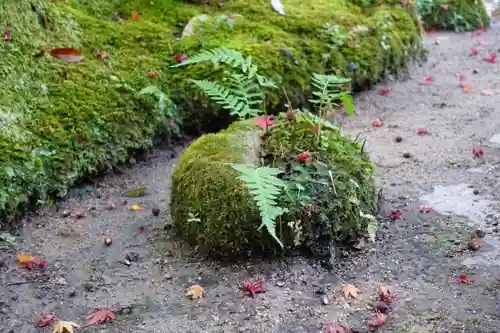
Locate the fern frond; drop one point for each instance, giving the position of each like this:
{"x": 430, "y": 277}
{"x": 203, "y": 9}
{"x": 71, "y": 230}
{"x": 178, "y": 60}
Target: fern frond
{"x": 265, "y": 187}
{"x": 327, "y": 91}
{"x": 218, "y": 56}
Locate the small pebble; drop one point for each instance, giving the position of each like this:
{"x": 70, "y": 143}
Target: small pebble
{"x": 132, "y": 256}
{"x": 280, "y": 283}
{"x": 79, "y": 215}
{"x": 89, "y": 287}
{"x": 473, "y": 244}
{"x": 406, "y": 154}
{"x": 398, "y": 139}
{"x": 72, "y": 293}
{"x": 156, "y": 211}
{"x": 66, "y": 213}
{"x": 475, "y": 71}
{"x": 476, "y": 192}
{"x": 480, "y": 233}
{"x": 325, "y": 300}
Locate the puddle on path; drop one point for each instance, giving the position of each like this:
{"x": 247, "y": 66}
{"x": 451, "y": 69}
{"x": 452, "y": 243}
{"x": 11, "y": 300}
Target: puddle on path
{"x": 460, "y": 200}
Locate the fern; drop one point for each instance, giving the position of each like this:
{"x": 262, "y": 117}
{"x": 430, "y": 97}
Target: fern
{"x": 219, "y": 56}
{"x": 327, "y": 92}
{"x": 265, "y": 187}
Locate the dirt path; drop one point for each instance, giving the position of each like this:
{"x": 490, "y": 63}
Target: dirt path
{"x": 420, "y": 255}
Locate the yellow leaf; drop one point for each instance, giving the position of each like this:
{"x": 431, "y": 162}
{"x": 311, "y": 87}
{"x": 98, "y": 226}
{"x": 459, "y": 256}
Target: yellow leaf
{"x": 136, "y": 208}
{"x": 64, "y": 326}
{"x": 195, "y": 292}
{"x": 350, "y": 290}
{"x": 24, "y": 258}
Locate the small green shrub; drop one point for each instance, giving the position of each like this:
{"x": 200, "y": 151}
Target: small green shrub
{"x": 456, "y": 15}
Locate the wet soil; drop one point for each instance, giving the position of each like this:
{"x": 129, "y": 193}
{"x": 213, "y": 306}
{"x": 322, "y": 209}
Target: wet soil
{"x": 145, "y": 271}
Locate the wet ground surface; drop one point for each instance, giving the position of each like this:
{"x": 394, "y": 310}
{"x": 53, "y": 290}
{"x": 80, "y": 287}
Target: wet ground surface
{"x": 421, "y": 255}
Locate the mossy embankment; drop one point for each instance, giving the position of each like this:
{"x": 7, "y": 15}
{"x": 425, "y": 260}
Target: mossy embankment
{"x": 61, "y": 122}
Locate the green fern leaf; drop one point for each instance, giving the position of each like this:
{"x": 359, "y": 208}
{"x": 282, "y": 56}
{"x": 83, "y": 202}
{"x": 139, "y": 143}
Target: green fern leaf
{"x": 217, "y": 56}
{"x": 265, "y": 187}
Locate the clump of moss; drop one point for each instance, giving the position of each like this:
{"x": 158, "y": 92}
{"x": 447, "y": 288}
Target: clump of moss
{"x": 456, "y": 15}
{"x": 327, "y": 198}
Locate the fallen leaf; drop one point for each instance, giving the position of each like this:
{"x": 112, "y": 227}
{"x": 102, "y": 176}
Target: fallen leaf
{"x": 195, "y": 292}
{"x": 377, "y": 123}
{"x": 491, "y": 57}
{"x": 24, "y": 258}
{"x": 250, "y": 289}
{"x": 45, "y": 319}
{"x": 152, "y": 75}
{"x": 378, "y": 321}
{"x": 424, "y": 209}
{"x": 111, "y": 205}
{"x": 384, "y": 91}
{"x": 485, "y": 92}
{"x": 478, "y": 32}
{"x": 350, "y": 290}
{"x": 135, "y": 16}
{"x": 264, "y": 121}
{"x": 474, "y": 51}
{"x": 67, "y": 54}
{"x": 303, "y": 157}
{"x": 29, "y": 261}
{"x": 382, "y": 307}
{"x": 467, "y": 88}
{"x": 7, "y": 35}
{"x": 395, "y": 214}
{"x": 62, "y": 326}
{"x": 385, "y": 294}
{"x": 477, "y": 152}
{"x": 474, "y": 244}
{"x": 141, "y": 228}
{"x": 334, "y": 328}
{"x": 428, "y": 79}
{"x": 422, "y": 131}
{"x": 101, "y": 315}
{"x": 464, "y": 279}
{"x": 101, "y": 56}
{"x": 136, "y": 208}
{"x": 181, "y": 57}
{"x": 482, "y": 42}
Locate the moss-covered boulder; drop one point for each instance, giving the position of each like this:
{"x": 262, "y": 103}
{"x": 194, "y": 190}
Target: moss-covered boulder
{"x": 456, "y": 15}
{"x": 328, "y": 197}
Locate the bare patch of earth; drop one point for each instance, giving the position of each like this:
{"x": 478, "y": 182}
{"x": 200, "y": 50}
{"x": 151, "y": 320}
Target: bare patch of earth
{"x": 420, "y": 255}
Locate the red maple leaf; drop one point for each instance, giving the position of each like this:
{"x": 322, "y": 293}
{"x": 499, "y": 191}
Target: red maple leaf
{"x": 377, "y": 123}
{"x": 264, "y": 121}
{"x": 303, "y": 157}
{"x": 464, "y": 279}
{"x": 395, "y": 214}
{"x": 378, "y": 321}
{"x": 141, "y": 228}
{"x": 334, "y": 328}
{"x": 250, "y": 289}
{"x": 45, "y": 319}
{"x": 422, "y": 131}
{"x": 100, "y": 315}
{"x": 491, "y": 57}
{"x": 385, "y": 294}
{"x": 477, "y": 152}
{"x": 135, "y": 16}
{"x": 181, "y": 57}
{"x": 473, "y": 51}
{"x": 384, "y": 91}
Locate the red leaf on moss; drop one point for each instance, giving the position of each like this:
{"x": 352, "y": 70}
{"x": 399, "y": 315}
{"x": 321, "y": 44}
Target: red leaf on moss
{"x": 464, "y": 279}
{"x": 384, "y": 91}
{"x": 474, "y": 51}
{"x": 67, "y": 54}
{"x": 491, "y": 57}
{"x": 377, "y": 123}
{"x": 152, "y": 75}
{"x": 422, "y": 131}
{"x": 250, "y": 289}
{"x": 45, "y": 319}
{"x": 477, "y": 152}
{"x": 334, "y": 328}
{"x": 181, "y": 57}
{"x": 395, "y": 214}
{"x": 7, "y": 35}
{"x": 264, "y": 121}
{"x": 428, "y": 79}
{"x": 135, "y": 16}
{"x": 303, "y": 157}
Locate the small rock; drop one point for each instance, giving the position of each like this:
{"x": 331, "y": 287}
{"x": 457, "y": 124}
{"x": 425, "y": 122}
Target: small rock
{"x": 496, "y": 230}
{"x": 495, "y": 223}
{"x": 62, "y": 281}
{"x": 132, "y": 256}
{"x": 125, "y": 262}
{"x": 473, "y": 244}
{"x": 480, "y": 233}
{"x": 476, "y": 191}
{"x": 72, "y": 293}
{"x": 475, "y": 71}
{"x": 126, "y": 311}
{"x": 2, "y": 263}
{"x": 79, "y": 215}
{"x": 325, "y": 300}
{"x": 167, "y": 226}
{"x": 167, "y": 277}
{"x": 280, "y": 283}
{"x": 406, "y": 154}
{"x": 66, "y": 213}
{"x": 320, "y": 291}
{"x": 360, "y": 245}
{"x": 89, "y": 287}
{"x": 398, "y": 138}
{"x": 156, "y": 211}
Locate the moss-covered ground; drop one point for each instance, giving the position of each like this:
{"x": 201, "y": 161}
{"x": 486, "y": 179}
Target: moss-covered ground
{"x": 63, "y": 121}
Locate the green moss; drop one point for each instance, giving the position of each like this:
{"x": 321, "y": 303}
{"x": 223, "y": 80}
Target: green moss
{"x": 213, "y": 210}
{"x": 456, "y": 15}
